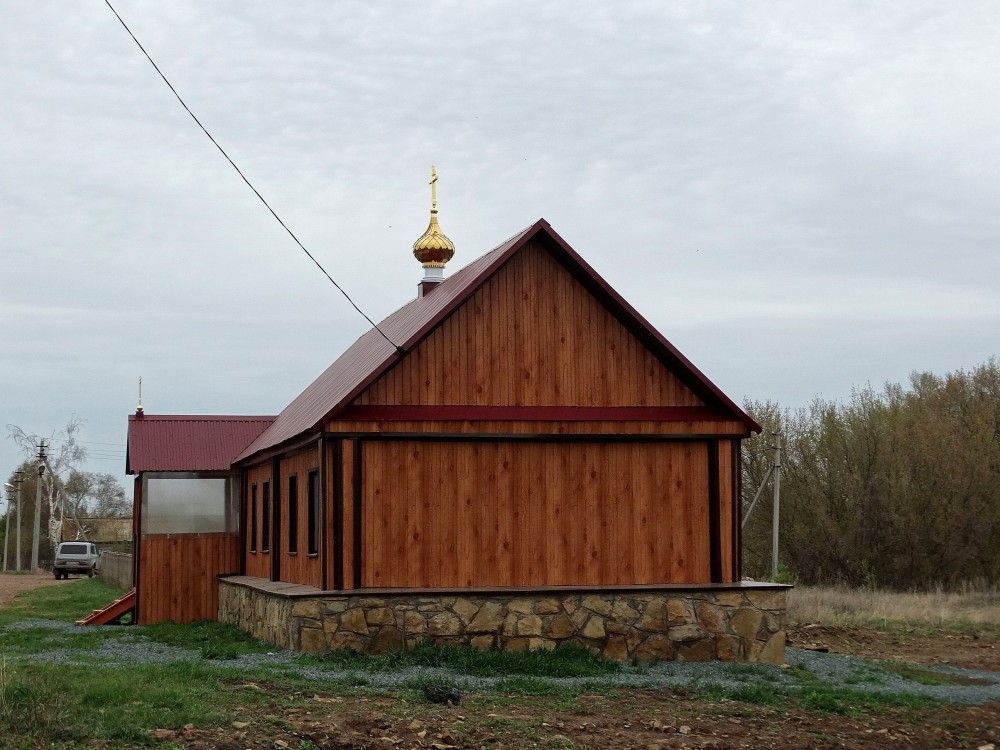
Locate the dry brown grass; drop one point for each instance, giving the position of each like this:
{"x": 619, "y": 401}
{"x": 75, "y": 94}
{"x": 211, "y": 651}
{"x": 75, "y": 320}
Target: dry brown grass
{"x": 835, "y": 605}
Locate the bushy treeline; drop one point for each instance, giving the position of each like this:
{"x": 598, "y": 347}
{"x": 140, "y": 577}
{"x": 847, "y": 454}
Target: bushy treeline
{"x": 897, "y": 488}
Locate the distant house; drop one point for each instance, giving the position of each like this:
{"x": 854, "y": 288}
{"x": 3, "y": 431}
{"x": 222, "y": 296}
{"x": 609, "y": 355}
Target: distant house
{"x": 101, "y": 531}
{"x": 517, "y": 438}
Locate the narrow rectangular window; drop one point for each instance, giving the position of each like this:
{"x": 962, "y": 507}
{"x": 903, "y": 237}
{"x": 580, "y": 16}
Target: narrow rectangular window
{"x": 265, "y": 525}
{"x": 293, "y": 515}
{"x": 313, "y": 512}
{"x": 253, "y": 517}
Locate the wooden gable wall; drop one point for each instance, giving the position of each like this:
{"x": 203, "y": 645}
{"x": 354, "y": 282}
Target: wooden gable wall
{"x": 531, "y": 336}
{"x": 523, "y": 499}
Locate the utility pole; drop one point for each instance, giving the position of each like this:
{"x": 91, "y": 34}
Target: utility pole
{"x": 18, "y": 480}
{"x": 6, "y": 526}
{"x": 38, "y": 508}
{"x": 773, "y": 471}
{"x": 777, "y": 500}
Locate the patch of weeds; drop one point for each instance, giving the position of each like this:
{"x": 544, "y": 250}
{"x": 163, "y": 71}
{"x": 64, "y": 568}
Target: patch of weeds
{"x": 827, "y": 703}
{"x": 567, "y": 660}
{"x": 278, "y": 723}
{"x": 802, "y": 674}
{"x": 489, "y": 702}
{"x": 526, "y": 685}
{"x": 757, "y": 694}
{"x": 26, "y": 705}
{"x": 213, "y": 640}
{"x": 922, "y": 676}
{"x": 516, "y": 726}
{"x": 71, "y": 704}
{"x": 559, "y": 743}
{"x": 855, "y": 703}
{"x": 419, "y": 683}
{"x": 868, "y": 676}
{"x": 752, "y": 673}
{"x": 356, "y": 680}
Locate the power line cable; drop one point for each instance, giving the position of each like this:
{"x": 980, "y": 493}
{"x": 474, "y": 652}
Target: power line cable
{"x": 284, "y": 226}
{"x": 85, "y": 442}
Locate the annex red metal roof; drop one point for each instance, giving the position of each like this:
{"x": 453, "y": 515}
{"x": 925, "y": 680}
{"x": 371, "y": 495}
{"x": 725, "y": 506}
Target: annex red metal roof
{"x": 188, "y": 443}
{"x": 371, "y": 355}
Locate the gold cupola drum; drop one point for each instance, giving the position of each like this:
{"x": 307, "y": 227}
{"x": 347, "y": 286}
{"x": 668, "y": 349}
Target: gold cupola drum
{"x": 433, "y": 248}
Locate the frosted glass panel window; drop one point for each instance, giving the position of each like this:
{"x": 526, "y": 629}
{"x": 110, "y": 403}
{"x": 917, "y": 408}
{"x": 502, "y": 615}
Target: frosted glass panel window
{"x": 187, "y": 504}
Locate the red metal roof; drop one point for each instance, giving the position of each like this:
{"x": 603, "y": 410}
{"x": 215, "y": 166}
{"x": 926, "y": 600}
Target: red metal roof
{"x": 371, "y": 355}
{"x": 188, "y": 443}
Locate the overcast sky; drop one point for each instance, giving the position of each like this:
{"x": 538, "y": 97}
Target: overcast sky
{"x": 803, "y": 197}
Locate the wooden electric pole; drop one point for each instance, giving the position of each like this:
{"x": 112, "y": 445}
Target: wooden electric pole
{"x": 36, "y": 531}
{"x": 18, "y": 480}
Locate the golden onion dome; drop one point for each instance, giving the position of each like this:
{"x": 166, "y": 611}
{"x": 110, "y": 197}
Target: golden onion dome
{"x": 433, "y": 248}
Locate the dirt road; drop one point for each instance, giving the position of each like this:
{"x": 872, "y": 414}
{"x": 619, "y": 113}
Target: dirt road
{"x": 12, "y": 584}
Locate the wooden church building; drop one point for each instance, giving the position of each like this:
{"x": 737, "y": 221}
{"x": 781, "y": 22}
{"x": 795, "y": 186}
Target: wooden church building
{"x": 516, "y": 444}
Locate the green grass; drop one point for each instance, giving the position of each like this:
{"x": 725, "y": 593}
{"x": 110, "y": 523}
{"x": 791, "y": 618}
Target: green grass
{"x": 213, "y": 640}
{"x": 809, "y": 691}
{"x": 43, "y": 703}
{"x": 74, "y": 703}
{"x": 565, "y": 661}
{"x": 856, "y": 703}
{"x": 66, "y": 603}
{"x": 758, "y": 695}
{"x": 922, "y": 676}
{"x": 40, "y": 639}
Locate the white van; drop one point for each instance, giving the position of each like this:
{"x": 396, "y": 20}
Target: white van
{"x": 75, "y": 557}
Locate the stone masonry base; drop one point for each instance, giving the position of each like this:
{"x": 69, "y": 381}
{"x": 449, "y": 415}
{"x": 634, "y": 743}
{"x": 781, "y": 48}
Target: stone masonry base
{"x": 740, "y": 622}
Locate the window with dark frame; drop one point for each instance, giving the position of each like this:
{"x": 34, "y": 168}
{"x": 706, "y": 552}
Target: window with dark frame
{"x": 253, "y": 517}
{"x": 293, "y": 515}
{"x": 265, "y": 526}
{"x": 312, "y": 510}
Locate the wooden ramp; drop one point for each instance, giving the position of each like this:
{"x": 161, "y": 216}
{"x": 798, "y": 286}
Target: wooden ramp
{"x": 113, "y": 613}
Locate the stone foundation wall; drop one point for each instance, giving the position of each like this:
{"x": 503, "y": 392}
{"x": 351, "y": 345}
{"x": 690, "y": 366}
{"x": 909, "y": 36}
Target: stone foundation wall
{"x": 687, "y": 625}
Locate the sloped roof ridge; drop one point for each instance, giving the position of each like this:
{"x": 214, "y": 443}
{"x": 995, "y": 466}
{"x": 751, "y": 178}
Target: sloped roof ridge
{"x": 371, "y": 354}
{"x": 205, "y": 417}
{"x": 189, "y": 442}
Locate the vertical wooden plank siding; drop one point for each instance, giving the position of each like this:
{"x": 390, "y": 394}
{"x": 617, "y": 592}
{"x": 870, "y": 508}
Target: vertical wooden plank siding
{"x": 737, "y": 469}
{"x": 533, "y": 335}
{"x": 299, "y": 566}
{"x": 336, "y": 524}
{"x": 453, "y": 514}
{"x": 726, "y": 501}
{"x": 714, "y": 513}
{"x": 323, "y": 513}
{"x": 347, "y": 537}
{"x": 257, "y": 562}
{"x": 357, "y": 514}
{"x": 187, "y": 592}
{"x": 136, "y": 534}
{"x": 277, "y": 540}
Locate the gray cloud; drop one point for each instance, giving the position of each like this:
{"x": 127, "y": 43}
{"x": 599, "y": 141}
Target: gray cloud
{"x": 801, "y": 197}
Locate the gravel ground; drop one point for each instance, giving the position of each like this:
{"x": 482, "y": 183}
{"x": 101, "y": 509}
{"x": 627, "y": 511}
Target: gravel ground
{"x": 808, "y": 669}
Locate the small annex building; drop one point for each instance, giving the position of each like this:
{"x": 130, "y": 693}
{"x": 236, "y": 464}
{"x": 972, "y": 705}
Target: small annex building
{"x": 516, "y": 458}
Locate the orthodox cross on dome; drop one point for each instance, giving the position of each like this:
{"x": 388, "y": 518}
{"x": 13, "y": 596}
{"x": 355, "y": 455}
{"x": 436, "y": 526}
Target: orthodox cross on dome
{"x": 434, "y": 194}
{"x": 433, "y": 249}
